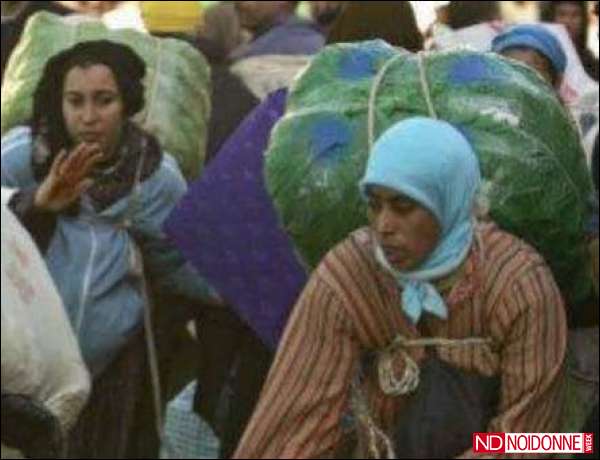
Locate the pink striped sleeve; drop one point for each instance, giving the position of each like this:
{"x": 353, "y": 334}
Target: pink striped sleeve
{"x": 307, "y": 391}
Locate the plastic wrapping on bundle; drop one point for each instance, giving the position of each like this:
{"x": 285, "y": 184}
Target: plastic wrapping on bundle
{"x": 41, "y": 359}
{"x": 536, "y": 179}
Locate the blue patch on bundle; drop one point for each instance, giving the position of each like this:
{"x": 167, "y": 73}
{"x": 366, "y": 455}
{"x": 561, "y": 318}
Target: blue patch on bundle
{"x": 328, "y": 140}
{"x": 474, "y": 69}
{"x": 358, "y": 65}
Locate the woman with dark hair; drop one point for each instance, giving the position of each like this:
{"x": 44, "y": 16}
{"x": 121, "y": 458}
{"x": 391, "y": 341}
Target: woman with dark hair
{"x": 465, "y": 14}
{"x": 536, "y": 47}
{"x": 94, "y": 189}
{"x": 575, "y": 17}
{"x": 393, "y": 22}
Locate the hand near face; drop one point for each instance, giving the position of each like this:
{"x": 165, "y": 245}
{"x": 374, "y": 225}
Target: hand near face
{"x": 68, "y": 178}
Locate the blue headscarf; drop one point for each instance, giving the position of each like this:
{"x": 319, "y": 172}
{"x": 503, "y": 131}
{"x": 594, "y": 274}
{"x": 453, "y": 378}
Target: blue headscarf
{"x": 535, "y": 37}
{"x": 432, "y": 163}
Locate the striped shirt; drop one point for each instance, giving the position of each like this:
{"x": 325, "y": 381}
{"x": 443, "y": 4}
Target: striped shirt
{"x": 350, "y": 306}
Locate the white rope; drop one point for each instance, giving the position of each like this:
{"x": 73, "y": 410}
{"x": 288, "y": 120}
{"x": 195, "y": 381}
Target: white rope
{"x": 374, "y": 433}
{"x": 425, "y": 86}
{"x": 388, "y": 382}
{"x": 373, "y": 97}
{"x": 151, "y": 348}
{"x": 411, "y": 377}
{"x": 403, "y": 342}
{"x": 378, "y": 80}
{"x": 155, "y": 374}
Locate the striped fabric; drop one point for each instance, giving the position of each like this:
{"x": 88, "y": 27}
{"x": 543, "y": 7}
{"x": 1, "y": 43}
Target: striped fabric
{"x": 350, "y": 306}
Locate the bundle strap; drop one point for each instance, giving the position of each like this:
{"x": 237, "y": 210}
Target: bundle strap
{"x": 411, "y": 377}
{"x": 378, "y": 81}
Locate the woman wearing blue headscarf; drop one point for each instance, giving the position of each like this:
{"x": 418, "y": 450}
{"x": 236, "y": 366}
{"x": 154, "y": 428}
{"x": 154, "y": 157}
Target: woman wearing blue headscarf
{"x": 421, "y": 329}
{"x": 536, "y": 47}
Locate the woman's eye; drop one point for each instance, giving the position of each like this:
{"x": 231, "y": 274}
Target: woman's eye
{"x": 404, "y": 206}
{"x": 75, "y": 101}
{"x": 106, "y": 100}
{"x": 374, "y": 205}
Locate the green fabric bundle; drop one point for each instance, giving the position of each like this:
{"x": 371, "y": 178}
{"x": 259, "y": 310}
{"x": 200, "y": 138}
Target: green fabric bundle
{"x": 531, "y": 156}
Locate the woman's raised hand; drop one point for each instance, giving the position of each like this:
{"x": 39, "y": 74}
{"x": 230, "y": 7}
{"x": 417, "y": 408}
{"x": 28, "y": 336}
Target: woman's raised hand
{"x": 68, "y": 178}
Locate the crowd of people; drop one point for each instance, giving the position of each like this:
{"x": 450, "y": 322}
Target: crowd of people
{"x": 431, "y": 296}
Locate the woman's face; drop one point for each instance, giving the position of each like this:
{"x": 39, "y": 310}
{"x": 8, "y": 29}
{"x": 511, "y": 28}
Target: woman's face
{"x": 93, "y": 108}
{"x": 571, "y": 16}
{"x": 407, "y": 233}
{"x": 536, "y": 61}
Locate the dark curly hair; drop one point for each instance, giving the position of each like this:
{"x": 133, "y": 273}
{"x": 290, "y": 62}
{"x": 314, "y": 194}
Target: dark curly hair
{"x": 127, "y": 67}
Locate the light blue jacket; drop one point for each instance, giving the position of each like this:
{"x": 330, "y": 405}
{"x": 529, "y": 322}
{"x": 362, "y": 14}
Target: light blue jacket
{"x": 92, "y": 257}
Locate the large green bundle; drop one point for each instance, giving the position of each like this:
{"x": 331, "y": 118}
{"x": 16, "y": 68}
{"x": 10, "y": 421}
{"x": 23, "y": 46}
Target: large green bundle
{"x": 177, "y": 86}
{"x": 528, "y": 146}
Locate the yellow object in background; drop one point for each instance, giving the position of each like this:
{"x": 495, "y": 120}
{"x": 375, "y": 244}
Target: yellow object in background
{"x": 171, "y": 17}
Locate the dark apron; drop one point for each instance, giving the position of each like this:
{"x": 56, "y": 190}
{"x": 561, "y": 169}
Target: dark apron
{"x": 440, "y": 417}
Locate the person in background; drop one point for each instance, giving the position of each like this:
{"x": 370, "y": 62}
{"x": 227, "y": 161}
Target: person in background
{"x": 232, "y": 101}
{"x": 275, "y": 29}
{"x": 212, "y": 32}
{"x": 12, "y": 28}
{"x": 440, "y": 26}
{"x": 394, "y": 22}
{"x": 9, "y": 8}
{"x": 535, "y": 46}
{"x": 575, "y": 17}
{"x": 538, "y": 48}
{"x": 465, "y": 14}
{"x": 221, "y": 32}
{"x": 424, "y": 269}
{"x": 325, "y": 13}
{"x": 591, "y": 426}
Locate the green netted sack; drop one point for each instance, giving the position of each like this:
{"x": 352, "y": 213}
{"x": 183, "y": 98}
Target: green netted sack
{"x": 528, "y": 146}
{"x": 177, "y": 107}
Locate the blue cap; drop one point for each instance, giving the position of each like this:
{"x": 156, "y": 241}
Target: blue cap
{"x": 535, "y": 37}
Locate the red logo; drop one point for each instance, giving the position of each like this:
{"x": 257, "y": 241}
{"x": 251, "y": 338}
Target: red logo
{"x": 489, "y": 443}
{"x": 533, "y": 443}
{"x": 588, "y": 443}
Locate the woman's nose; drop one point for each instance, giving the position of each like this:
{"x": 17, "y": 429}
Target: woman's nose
{"x": 384, "y": 221}
{"x": 89, "y": 114}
